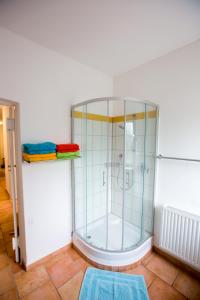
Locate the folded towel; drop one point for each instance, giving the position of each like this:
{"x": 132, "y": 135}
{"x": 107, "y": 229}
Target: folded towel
{"x": 67, "y": 150}
{"x": 67, "y": 155}
{"x": 67, "y": 147}
{"x": 39, "y": 157}
{"x": 43, "y": 148}
{"x": 40, "y": 151}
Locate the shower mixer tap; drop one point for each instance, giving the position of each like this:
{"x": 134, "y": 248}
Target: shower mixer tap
{"x": 143, "y": 169}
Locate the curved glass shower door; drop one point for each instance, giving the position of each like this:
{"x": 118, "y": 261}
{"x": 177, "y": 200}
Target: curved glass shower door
{"x": 134, "y": 169}
{"x": 92, "y": 130}
{"x": 97, "y": 180}
{"x": 113, "y": 180}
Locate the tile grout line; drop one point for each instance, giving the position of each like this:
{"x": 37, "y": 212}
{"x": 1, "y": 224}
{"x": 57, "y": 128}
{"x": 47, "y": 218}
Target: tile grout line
{"x": 152, "y": 282}
{"x": 57, "y": 288}
{"x": 156, "y": 276}
{"x": 141, "y": 264}
{"x": 176, "y": 277}
{"x": 33, "y": 290}
{"x": 159, "y": 277}
{"x": 30, "y": 292}
{"x": 50, "y": 279}
{"x": 175, "y": 287}
{"x": 170, "y": 285}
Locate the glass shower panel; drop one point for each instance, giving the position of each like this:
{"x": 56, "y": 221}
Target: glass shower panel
{"x": 79, "y": 123}
{"x": 97, "y": 173}
{"x": 134, "y": 167}
{"x": 149, "y": 174}
{"x": 115, "y": 224}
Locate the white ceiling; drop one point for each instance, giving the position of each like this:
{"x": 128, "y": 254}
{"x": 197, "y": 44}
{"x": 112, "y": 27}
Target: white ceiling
{"x": 113, "y": 36}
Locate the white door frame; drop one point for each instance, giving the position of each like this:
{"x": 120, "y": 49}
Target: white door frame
{"x": 18, "y": 154}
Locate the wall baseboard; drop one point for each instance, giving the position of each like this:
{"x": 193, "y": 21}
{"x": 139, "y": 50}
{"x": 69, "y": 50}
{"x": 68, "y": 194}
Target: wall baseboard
{"x": 45, "y": 259}
{"x": 183, "y": 266}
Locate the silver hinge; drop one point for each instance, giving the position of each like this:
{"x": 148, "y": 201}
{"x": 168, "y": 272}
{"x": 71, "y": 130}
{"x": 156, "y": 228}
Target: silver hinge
{"x": 15, "y": 242}
{"x": 10, "y": 124}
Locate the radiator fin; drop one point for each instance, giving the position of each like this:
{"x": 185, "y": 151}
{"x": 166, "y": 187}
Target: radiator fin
{"x": 180, "y": 235}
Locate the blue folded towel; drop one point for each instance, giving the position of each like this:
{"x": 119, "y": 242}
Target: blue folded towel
{"x": 40, "y": 151}
{"x": 107, "y": 285}
{"x": 40, "y": 148}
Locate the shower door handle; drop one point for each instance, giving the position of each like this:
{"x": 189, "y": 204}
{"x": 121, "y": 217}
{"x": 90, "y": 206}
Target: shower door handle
{"x": 104, "y": 181}
{"x": 127, "y": 178}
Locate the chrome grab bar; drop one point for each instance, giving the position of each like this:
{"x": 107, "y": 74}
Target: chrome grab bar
{"x": 177, "y": 158}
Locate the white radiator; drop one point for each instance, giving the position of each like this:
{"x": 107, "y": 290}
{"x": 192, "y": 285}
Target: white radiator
{"x": 180, "y": 235}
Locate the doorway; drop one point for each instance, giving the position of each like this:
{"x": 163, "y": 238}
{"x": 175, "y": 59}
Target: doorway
{"x": 11, "y": 206}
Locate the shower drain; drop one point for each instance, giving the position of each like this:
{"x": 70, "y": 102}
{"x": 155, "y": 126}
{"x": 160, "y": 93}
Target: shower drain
{"x": 88, "y": 236}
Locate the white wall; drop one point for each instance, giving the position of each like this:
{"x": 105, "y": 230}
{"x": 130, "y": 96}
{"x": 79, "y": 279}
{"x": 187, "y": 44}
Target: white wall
{"x": 173, "y": 82}
{"x": 46, "y": 84}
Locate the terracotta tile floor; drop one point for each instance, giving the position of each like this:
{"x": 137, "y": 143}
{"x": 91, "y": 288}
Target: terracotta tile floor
{"x": 60, "y": 276}
{"x": 6, "y": 221}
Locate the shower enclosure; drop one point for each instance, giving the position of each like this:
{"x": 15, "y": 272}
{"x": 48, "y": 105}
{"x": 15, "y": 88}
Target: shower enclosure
{"x": 113, "y": 181}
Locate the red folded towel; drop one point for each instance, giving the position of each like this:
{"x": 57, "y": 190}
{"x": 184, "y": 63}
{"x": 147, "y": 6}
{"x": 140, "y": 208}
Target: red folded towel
{"x": 67, "y": 148}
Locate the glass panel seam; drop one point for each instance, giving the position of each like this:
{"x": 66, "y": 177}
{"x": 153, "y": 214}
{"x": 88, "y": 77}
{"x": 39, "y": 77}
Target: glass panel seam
{"x": 155, "y": 169}
{"x": 86, "y": 169}
{"x": 107, "y": 164}
{"x": 124, "y": 160}
{"x": 143, "y": 176}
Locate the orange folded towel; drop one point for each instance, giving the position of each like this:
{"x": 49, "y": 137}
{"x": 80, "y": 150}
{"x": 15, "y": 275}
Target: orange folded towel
{"x": 39, "y": 157}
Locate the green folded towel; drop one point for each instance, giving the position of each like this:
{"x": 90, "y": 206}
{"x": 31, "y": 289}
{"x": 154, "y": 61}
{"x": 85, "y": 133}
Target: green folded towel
{"x": 64, "y": 155}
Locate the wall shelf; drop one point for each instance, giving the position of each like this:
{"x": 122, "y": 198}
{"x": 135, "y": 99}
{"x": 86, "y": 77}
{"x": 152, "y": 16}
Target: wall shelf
{"x": 51, "y": 160}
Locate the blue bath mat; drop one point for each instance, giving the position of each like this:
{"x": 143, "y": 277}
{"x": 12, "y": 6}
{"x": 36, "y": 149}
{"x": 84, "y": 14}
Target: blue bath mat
{"x": 106, "y": 285}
